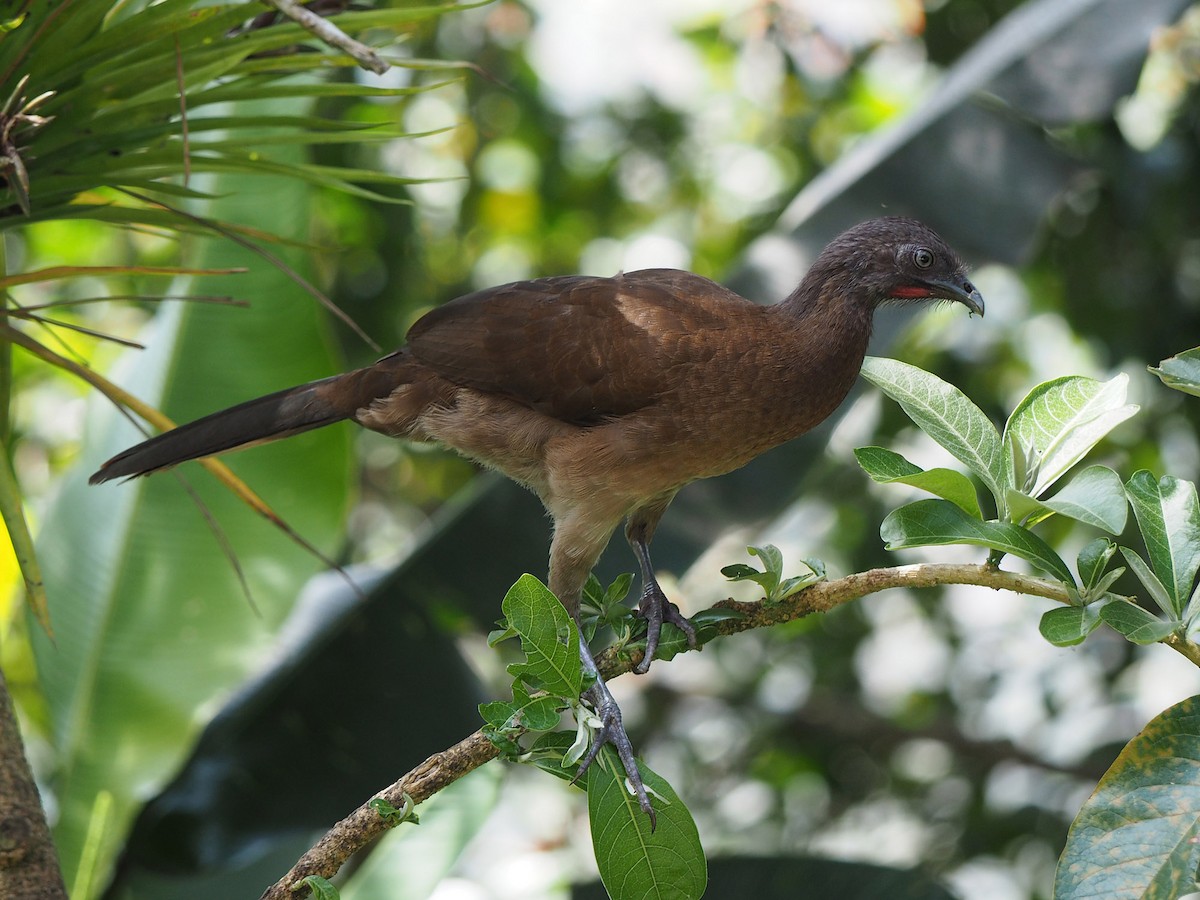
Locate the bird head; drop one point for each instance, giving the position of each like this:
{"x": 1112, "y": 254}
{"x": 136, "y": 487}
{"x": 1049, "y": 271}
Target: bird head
{"x": 900, "y": 260}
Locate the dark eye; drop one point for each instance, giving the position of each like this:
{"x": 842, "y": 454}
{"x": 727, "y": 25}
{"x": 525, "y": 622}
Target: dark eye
{"x": 923, "y": 257}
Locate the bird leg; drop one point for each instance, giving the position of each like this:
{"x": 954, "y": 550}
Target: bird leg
{"x": 654, "y": 606}
{"x": 576, "y": 546}
{"x": 612, "y": 731}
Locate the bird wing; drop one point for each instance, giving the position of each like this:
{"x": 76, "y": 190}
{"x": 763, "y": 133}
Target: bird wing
{"x": 581, "y": 349}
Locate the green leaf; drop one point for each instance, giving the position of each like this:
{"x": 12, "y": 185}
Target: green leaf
{"x": 525, "y": 713}
{"x": 320, "y": 887}
{"x": 1059, "y": 421}
{"x": 497, "y": 712}
{"x": 1168, "y": 514}
{"x": 1135, "y": 623}
{"x": 772, "y": 560}
{"x": 1158, "y": 593}
{"x": 618, "y": 590}
{"x": 636, "y": 863}
{"x": 775, "y": 587}
{"x": 1137, "y": 836}
{"x": 1093, "y": 560}
{"x": 887, "y": 467}
{"x": 929, "y": 523}
{"x": 1066, "y": 626}
{"x": 394, "y": 816}
{"x": 1181, "y": 371}
{"x": 12, "y": 510}
{"x": 768, "y": 578}
{"x": 548, "y": 752}
{"x": 944, "y": 413}
{"x": 796, "y": 583}
{"x": 549, "y": 638}
{"x": 605, "y": 606}
{"x": 536, "y": 713}
{"x": 1095, "y": 497}
{"x": 742, "y": 572}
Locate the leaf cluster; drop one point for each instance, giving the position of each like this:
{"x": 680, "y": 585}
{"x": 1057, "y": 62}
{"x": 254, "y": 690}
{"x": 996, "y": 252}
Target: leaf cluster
{"x": 775, "y": 587}
{"x": 126, "y": 113}
{"x": 635, "y": 860}
{"x": 1137, "y": 834}
{"x": 1057, "y": 424}
{"x": 141, "y": 97}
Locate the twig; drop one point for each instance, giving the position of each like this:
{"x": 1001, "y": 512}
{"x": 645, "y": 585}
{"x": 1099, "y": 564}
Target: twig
{"x": 330, "y": 34}
{"x": 365, "y": 824}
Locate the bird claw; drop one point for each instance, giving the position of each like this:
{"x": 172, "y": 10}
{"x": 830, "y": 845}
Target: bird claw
{"x": 656, "y": 609}
{"x": 612, "y": 731}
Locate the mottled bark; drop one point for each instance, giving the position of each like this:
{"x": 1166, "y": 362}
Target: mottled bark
{"x": 28, "y": 863}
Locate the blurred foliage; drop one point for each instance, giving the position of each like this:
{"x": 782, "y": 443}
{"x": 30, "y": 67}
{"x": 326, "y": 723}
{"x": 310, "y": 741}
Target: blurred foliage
{"x": 934, "y": 730}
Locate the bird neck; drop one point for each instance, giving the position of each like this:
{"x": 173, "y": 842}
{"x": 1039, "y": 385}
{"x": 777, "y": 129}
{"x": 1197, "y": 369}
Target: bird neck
{"x": 823, "y": 329}
{"x": 831, "y": 305}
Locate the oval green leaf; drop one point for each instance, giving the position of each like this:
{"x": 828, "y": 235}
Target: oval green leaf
{"x": 886, "y": 467}
{"x": 944, "y": 413}
{"x": 1168, "y": 515}
{"x": 1095, "y": 497}
{"x": 1066, "y": 626}
{"x": 636, "y": 863}
{"x": 929, "y": 523}
{"x": 549, "y": 638}
{"x": 1061, "y": 420}
{"x": 1181, "y": 371}
{"x": 1139, "y": 626}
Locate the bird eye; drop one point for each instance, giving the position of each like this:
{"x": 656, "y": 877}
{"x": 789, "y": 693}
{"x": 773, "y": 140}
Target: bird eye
{"x": 923, "y": 257}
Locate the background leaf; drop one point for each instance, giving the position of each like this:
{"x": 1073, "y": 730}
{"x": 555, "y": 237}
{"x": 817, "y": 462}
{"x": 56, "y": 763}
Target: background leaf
{"x": 1137, "y": 834}
{"x": 132, "y": 676}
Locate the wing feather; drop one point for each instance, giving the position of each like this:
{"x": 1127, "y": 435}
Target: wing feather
{"x": 581, "y": 349}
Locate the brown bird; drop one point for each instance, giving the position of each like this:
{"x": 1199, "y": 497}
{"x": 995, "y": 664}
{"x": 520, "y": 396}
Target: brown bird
{"x": 605, "y": 396}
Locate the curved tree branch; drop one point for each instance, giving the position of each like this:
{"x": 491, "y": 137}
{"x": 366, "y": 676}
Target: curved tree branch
{"x": 365, "y": 824}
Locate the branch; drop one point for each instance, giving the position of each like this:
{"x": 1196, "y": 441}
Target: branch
{"x": 28, "y": 863}
{"x": 330, "y": 34}
{"x": 365, "y": 825}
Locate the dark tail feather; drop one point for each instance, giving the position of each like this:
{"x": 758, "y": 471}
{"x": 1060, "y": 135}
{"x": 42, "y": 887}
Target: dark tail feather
{"x": 264, "y": 419}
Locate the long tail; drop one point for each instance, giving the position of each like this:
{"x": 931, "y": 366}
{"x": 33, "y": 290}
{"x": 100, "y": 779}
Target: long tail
{"x": 267, "y": 418}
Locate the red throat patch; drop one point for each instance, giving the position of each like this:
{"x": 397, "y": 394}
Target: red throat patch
{"x": 911, "y": 292}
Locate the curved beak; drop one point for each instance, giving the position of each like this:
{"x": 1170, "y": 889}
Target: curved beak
{"x": 960, "y": 290}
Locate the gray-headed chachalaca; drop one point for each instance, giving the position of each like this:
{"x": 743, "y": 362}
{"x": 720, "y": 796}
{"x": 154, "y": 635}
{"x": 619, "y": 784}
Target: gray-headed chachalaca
{"x": 605, "y": 396}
